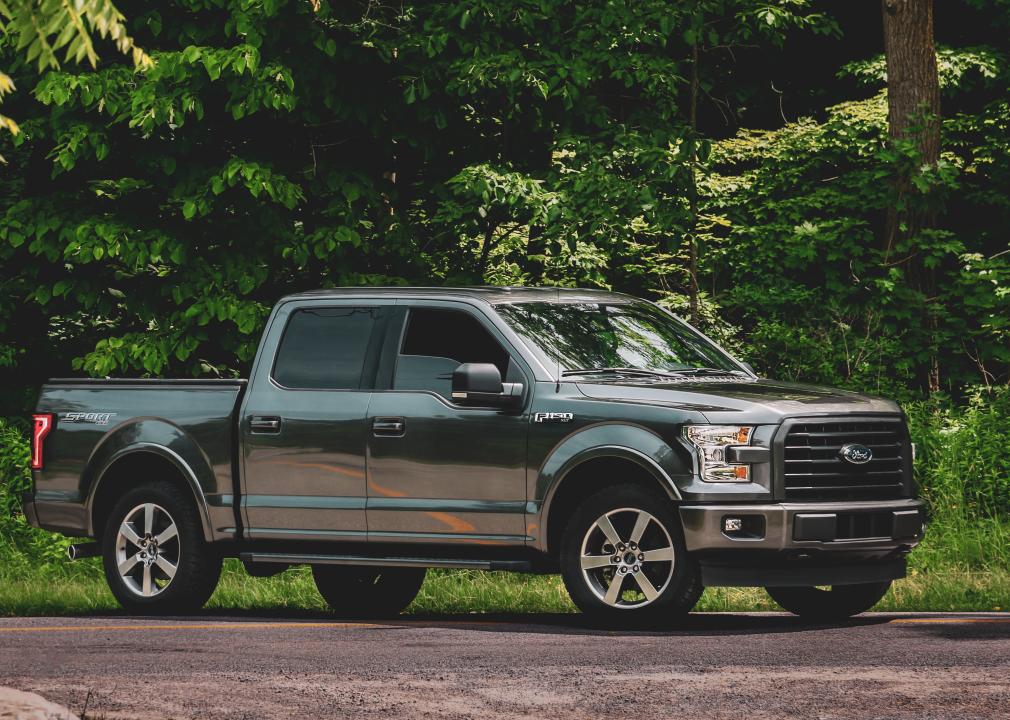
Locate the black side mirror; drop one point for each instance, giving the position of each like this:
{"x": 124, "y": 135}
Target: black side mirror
{"x": 749, "y": 367}
{"x": 480, "y": 384}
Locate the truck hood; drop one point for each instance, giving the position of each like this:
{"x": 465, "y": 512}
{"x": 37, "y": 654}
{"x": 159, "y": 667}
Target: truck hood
{"x": 736, "y": 400}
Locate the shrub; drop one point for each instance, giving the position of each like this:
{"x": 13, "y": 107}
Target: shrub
{"x": 22, "y": 547}
{"x": 962, "y": 463}
{"x": 15, "y": 477}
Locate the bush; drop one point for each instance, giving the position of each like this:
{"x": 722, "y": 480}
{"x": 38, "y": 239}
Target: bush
{"x": 962, "y": 465}
{"x": 15, "y": 477}
{"x": 23, "y": 549}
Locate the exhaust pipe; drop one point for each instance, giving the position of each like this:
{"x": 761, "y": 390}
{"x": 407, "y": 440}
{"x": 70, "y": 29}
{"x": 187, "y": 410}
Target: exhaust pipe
{"x": 84, "y": 550}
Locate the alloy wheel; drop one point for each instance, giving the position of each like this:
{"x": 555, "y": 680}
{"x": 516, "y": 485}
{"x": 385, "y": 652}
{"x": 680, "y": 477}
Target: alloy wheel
{"x": 622, "y": 544}
{"x": 147, "y": 550}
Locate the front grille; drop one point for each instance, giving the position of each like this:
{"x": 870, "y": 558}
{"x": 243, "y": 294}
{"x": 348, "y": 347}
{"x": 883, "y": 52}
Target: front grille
{"x": 813, "y": 469}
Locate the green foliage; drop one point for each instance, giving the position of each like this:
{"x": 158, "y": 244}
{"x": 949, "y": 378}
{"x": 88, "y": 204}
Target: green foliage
{"x": 149, "y": 219}
{"x": 40, "y": 28}
{"x": 835, "y": 303}
{"x": 22, "y": 548}
{"x": 43, "y": 28}
{"x": 15, "y": 477}
{"x": 962, "y": 461}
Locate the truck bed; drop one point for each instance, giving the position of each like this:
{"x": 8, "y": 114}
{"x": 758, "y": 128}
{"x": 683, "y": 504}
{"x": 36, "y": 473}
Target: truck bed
{"x": 191, "y": 424}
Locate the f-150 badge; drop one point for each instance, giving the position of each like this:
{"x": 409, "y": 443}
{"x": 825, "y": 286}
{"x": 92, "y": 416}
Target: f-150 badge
{"x": 98, "y": 418}
{"x": 553, "y": 417}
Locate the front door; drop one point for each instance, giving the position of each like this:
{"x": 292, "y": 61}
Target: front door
{"x": 303, "y": 423}
{"x": 438, "y": 472}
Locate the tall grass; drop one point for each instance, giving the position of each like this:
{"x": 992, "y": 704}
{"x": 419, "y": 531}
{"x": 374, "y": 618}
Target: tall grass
{"x": 963, "y": 564}
{"x": 962, "y": 464}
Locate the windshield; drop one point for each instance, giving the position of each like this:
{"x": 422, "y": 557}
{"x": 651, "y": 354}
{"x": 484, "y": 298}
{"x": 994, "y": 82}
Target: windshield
{"x": 622, "y": 337}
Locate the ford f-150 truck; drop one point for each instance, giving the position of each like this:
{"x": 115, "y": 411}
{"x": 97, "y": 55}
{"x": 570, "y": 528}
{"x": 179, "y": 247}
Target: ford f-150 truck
{"x": 384, "y": 431}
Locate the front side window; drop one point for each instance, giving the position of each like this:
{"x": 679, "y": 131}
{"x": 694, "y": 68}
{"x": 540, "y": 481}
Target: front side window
{"x": 436, "y": 342}
{"x": 574, "y": 337}
{"x": 324, "y": 348}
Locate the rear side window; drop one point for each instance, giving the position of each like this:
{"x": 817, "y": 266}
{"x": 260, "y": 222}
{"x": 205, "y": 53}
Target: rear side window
{"x": 324, "y": 348}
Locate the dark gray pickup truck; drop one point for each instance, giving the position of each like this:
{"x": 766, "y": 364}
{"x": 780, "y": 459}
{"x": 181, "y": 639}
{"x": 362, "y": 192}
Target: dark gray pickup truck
{"x": 384, "y": 431}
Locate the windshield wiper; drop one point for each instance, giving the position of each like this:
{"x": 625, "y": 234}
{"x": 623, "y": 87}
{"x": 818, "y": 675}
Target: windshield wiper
{"x": 614, "y": 371}
{"x": 706, "y": 371}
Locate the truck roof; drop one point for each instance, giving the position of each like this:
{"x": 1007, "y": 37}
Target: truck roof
{"x": 491, "y": 294}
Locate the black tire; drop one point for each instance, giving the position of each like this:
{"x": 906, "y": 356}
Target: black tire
{"x": 197, "y": 565}
{"x": 676, "y": 583}
{"x": 838, "y": 603}
{"x": 360, "y": 591}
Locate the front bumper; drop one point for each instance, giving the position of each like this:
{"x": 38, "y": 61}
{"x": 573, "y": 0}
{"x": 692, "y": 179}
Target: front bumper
{"x": 823, "y": 543}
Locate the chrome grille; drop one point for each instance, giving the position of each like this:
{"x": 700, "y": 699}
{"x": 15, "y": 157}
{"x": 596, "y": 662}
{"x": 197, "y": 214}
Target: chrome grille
{"x": 813, "y": 469}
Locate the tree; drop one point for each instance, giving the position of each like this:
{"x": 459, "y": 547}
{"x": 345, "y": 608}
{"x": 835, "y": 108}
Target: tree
{"x": 913, "y": 116}
{"x": 148, "y": 220}
{"x": 41, "y": 28}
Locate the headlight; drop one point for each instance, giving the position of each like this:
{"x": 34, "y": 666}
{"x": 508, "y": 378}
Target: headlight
{"x": 710, "y": 443}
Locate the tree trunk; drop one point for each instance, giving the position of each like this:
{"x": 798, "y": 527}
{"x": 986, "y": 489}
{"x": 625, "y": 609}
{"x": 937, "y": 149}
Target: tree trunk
{"x": 913, "y": 113}
{"x": 913, "y": 88}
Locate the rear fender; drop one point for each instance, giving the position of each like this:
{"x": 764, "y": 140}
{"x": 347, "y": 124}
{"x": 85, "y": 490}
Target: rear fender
{"x": 157, "y": 437}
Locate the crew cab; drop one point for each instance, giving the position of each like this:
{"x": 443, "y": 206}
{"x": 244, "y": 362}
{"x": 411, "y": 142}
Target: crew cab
{"x": 384, "y": 431}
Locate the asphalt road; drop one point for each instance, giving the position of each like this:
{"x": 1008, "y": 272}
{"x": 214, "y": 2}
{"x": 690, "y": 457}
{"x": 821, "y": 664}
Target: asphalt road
{"x": 715, "y": 666}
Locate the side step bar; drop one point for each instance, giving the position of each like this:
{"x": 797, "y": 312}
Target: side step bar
{"x": 298, "y": 559}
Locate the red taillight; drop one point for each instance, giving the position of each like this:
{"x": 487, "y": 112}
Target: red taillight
{"x": 43, "y": 424}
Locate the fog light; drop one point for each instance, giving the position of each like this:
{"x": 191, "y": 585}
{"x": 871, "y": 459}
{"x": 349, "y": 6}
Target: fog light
{"x": 732, "y": 524}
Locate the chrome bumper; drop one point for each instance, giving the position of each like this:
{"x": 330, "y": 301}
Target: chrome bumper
{"x": 857, "y": 526}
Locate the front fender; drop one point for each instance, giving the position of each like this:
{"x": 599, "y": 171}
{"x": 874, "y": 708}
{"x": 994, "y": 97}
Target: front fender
{"x": 157, "y": 437}
{"x": 610, "y": 440}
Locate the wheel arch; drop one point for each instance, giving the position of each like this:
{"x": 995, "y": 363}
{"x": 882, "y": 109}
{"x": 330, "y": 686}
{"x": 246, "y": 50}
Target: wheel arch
{"x": 120, "y": 458}
{"x": 596, "y": 457}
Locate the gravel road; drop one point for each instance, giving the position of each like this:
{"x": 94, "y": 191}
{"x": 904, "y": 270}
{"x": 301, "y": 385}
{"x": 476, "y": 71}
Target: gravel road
{"x": 715, "y": 666}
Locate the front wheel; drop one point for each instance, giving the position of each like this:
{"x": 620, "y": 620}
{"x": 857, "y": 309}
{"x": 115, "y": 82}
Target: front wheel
{"x": 623, "y": 558}
{"x": 359, "y": 591}
{"x": 837, "y": 603}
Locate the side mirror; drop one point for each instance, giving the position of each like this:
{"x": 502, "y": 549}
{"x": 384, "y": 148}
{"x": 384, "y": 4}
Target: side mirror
{"x": 480, "y": 384}
{"x": 750, "y": 368}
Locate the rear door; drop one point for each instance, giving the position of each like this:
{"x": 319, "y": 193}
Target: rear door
{"x": 437, "y": 471}
{"x": 303, "y": 421}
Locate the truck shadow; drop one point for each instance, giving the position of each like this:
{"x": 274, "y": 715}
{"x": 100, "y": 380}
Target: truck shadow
{"x": 696, "y": 624}
{"x": 988, "y": 628}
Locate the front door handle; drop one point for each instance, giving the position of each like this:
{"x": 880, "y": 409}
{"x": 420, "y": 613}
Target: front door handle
{"x": 389, "y": 426}
{"x": 263, "y": 425}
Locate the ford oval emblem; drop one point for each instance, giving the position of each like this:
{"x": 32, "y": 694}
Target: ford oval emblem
{"x": 856, "y": 454}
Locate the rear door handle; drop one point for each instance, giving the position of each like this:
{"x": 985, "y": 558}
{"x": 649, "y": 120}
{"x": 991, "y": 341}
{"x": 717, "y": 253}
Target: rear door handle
{"x": 264, "y": 425}
{"x": 389, "y": 426}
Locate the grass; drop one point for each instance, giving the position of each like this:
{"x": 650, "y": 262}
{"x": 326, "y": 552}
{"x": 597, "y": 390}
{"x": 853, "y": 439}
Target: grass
{"x": 964, "y": 564}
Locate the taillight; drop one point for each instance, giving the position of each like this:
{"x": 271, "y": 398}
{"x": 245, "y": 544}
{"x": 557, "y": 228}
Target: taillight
{"x": 43, "y": 424}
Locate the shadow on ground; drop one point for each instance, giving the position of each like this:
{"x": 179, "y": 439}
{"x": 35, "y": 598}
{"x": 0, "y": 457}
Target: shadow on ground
{"x": 695, "y": 624}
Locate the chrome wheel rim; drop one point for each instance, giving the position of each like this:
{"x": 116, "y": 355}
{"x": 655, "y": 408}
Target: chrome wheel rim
{"x": 147, "y": 550}
{"x": 622, "y": 544}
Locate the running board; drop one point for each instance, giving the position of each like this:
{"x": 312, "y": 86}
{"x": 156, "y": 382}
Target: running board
{"x": 297, "y": 559}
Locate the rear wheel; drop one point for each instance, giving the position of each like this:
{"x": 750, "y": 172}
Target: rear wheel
{"x": 360, "y": 591}
{"x": 623, "y": 558}
{"x": 155, "y": 558}
{"x": 836, "y": 603}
